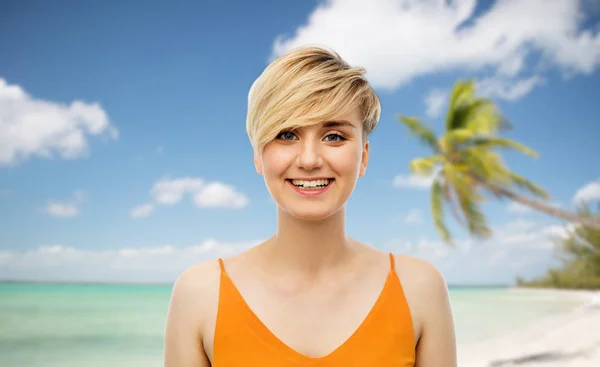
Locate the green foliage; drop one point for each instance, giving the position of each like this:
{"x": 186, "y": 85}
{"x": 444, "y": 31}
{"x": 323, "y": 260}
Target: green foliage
{"x": 422, "y": 132}
{"x": 466, "y": 159}
{"x": 437, "y": 201}
{"x": 579, "y": 253}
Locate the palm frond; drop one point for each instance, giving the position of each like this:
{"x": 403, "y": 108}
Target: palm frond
{"x": 475, "y": 160}
{"x": 476, "y": 221}
{"x": 482, "y": 116}
{"x": 450, "y": 199}
{"x": 489, "y": 143}
{"x": 463, "y": 91}
{"x": 458, "y": 118}
{"x": 460, "y": 136}
{"x": 486, "y": 165}
{"x": 467, "y": 110}
{"x": 527, "y": 185}
{"x": 458, "y": 176}
{"x": 497, "y": 172}
{"x": 422, "y": 132}
{"x": 425, "y": 166}
{"x": 437, "y": 210}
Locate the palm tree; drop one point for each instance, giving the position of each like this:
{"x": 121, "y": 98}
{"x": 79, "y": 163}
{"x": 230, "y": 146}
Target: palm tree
{"x": 579, "y": 253}
{"x": 465, "y": 166}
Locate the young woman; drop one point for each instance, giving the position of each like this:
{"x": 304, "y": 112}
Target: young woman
{"x": 310, "y": 295}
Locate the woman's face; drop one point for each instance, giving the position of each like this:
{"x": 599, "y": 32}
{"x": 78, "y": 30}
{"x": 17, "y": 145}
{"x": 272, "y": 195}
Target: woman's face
{"x": 330, "y": 150}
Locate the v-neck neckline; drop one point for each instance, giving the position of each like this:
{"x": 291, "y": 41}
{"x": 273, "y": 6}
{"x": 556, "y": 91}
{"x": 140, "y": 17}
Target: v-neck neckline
{"x": 280, "y": 344}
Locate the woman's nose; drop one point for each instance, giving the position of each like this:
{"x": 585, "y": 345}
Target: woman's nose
{"x": 309, "y": 156}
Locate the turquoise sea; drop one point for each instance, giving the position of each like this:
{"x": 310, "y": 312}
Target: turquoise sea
{"x": 97, "y": 325}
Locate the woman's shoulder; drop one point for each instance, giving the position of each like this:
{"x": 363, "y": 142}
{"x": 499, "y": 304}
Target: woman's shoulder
{"x": 424, "y": 288}
{"x": 200, "y": 276}
{"x": 417, "y": 272}
{"x": 426, "y": 293}
{"x": 195, "y": 292}
{"x": 193, "y": 302}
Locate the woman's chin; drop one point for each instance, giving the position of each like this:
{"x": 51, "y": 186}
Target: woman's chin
{"x": 311, "y": 214}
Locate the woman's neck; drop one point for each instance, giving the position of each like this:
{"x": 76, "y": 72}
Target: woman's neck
{"x": 309, "y": 248}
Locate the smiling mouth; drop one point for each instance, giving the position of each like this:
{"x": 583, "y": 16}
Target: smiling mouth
{"x": 311, "y": 185}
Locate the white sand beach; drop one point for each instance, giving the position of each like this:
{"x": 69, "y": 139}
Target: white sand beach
{"x": 570, "y": 339}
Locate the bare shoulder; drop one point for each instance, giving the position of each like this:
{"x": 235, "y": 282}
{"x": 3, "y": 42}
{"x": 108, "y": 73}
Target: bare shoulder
{"x": 424, "y": 287}
{"x": 419, "y": 275}
{"x": 194, "y": 300}
{"x": 199, "y": 276}
{"x": 196, "y": 289}
{"x": 427, "y": 296}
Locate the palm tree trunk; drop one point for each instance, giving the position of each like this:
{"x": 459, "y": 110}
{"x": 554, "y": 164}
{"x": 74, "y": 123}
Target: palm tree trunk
{"x": 591, "y": 221}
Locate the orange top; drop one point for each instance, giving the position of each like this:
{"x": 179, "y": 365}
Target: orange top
{"x": 385, "y": 337}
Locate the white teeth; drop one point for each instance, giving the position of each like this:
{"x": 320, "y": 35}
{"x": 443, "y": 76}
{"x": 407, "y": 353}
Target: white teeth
{"x": 313, "y": 183}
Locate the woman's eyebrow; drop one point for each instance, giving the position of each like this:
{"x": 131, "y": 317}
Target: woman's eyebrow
{"x": 337, "y": 123}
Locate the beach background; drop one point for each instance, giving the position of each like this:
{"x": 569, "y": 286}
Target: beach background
{"x": 124, "y": 160}
{"x": 93, "y": 325}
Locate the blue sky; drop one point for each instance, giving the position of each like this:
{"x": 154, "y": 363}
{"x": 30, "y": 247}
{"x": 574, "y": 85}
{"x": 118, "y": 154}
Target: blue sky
{"x": 124, "y": 156}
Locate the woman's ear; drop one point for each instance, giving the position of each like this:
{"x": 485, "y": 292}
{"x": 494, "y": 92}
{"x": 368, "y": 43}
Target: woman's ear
{"x": 364, "y": 160}
{"x": 257, "y": 163}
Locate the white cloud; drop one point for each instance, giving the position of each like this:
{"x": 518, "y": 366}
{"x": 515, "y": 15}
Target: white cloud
{"x": 203, "y": 194}
{"x": 62, "y": 209}
{"x": 518, "y": 225}
{"x": 506, "y": 88}
{"x": 435, "y": 102}
{"x": 141, "y": 211}
{"x": 425, "y": 247}
{"x": 217, "y": 194}
{"x": 412, "y": 181}
{"x": 529, "y": 234}
{"x": 497, "y": 256}
{"x": 517, "y": 248}
{"x": 436, "y": 247}
{"x": 589, "y": 192}
{"x": 415, "y": 216}
{"x": 518, "y": 208}
{"x": 35, "y": 127}
{"x": 558, "y": 231}
{"x": 396, "y": 41}
{"x": 150, "y": 264}
{"x": 70, "y": 208}
{"x": 171, "y": 191}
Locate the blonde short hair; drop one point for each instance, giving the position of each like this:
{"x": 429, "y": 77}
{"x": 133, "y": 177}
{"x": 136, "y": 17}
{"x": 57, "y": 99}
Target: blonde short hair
{"x": 307, "y": 85}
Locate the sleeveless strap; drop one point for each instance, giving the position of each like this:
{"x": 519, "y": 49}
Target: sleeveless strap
{"x": 392, "y": 263}
{"x": 222, "y": 265}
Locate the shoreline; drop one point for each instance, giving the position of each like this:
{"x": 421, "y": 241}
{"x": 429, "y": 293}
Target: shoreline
{"x": 569, "y": 338}
{"x": 554, "y": 290}
{"x": 69, "y": 282}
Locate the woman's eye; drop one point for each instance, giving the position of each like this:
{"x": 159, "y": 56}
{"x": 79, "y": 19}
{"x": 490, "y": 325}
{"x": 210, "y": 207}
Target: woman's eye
{"x": 286, "y": 135}
{"x": 331, "y": 138}
{"x": 334, "y": 138}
